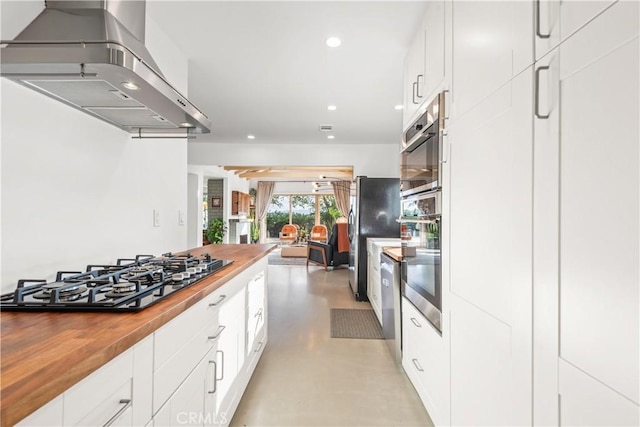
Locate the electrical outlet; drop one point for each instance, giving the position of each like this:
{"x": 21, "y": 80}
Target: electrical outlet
{"x": 156, "y": 218}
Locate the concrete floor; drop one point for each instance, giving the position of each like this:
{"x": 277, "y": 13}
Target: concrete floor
{"x": 307, "y": 378}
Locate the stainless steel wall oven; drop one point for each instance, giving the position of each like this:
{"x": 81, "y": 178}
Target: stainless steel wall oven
{"x": 421, "y": 155}
{"x": 421, "y": 212}
{"x": 420, "y": 271}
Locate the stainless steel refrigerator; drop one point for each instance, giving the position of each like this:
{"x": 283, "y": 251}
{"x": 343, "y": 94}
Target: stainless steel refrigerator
{"x": 375, "y": 207}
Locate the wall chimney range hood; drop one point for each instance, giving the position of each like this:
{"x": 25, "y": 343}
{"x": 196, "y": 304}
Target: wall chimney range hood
{"x": 91, "y": 55}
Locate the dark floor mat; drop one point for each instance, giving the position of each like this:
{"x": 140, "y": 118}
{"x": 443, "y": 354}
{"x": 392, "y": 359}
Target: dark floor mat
{"x": 355, "y": 323}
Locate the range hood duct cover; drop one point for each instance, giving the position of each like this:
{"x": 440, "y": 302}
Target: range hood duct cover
{"x": 91, "y": 56}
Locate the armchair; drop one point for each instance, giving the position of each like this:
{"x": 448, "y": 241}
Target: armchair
{"x": 318, "y": 233}
{"x": 288, "y": 234}
{"x": 333, "y": 253}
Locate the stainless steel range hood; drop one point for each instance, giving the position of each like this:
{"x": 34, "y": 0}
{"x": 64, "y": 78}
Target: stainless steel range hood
{"x": 91, "y": 56}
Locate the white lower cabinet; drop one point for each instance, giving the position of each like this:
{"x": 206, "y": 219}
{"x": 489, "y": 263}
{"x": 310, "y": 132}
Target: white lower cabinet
{"x": 425, "y": 360}
{"x": 230, "y": 354}
{"x": 256, "y": 314}
{"x": 375, "y": 246}
{"x": 203, "y": 375}
{"x": 186, "y": 406}
{"x": 373, "y": 280}
{"x": 116, "y": 394}
{"x": 49, "y": 414}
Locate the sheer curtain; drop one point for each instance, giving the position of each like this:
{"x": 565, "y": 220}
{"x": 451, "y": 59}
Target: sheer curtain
{"x": 342, "y": 192}
{"x": 263, "y": 198}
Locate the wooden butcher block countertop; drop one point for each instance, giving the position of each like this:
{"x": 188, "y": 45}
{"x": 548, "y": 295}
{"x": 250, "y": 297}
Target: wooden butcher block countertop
{"x": 43, "y": 354}
{"x": 393, "y": 252}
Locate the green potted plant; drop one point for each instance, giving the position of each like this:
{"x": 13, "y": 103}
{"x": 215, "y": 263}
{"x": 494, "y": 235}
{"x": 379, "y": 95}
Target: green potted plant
{"x": 216, "y": 231}
{"x": 255, "y": 231}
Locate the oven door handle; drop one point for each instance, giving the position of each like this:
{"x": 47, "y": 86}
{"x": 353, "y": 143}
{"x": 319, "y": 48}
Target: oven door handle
{"x": 403, "y": 273}
{"x": 443, "y": 147}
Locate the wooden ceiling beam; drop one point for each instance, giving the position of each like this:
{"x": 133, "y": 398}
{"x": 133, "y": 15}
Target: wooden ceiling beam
{"x": 312, "y": 175}
{"x": 300, "y": 172}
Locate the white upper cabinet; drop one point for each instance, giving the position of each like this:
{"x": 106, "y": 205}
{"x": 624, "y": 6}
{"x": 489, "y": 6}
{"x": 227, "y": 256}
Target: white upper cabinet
{"x": 556, "y": 20}
{"x": 492, "y": 43}
{"x": 414, "y": 76}
{"x": 424, "y": 67}
{"x": 434, "y": 71}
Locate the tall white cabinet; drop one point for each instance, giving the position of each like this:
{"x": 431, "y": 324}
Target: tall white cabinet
{"x": 541, "y": 216}
{"x": 490, "y": 259}
{"x": 586, "y": 227}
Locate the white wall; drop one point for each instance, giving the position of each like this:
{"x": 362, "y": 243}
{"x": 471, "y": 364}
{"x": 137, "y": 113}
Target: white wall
{"x": 374, "y": 160}
{"x": 76, "y": 190}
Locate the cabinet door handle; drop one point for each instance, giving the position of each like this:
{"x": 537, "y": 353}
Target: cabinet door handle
{"x": 259, "y": 347}
{"x": 417, "y": 365}
{"x": 420, "y": 76}
{"x": 538, "y": 31}
{"x": 415, "y": 322}
{"x": 446, "y": 98}
{"x": 215, "y": 373}
{"x": 414, "y": 92}
{"x": 218, "y": 301}
{"x": 126, "y": 403}
{"x": 217, "y": 334}
{"x": 221, "y": 365}
{"x": 536, "y": 95}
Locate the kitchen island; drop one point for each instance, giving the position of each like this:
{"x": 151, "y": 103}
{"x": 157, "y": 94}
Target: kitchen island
{"x": 44, "y": 354}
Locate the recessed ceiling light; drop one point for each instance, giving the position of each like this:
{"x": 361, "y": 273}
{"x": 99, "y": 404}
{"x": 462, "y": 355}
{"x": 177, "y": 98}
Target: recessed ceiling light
{"x": 130, "y": 85}
{"x": 331, "y": 107}
{"x": 251, "y": 137}
{"x": 398, "y": 107}
{"x": 186, "y": 125}
{"x": 333, "y": 42}
{"x": 330, "y": 136}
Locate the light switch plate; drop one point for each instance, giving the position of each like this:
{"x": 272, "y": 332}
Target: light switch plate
{"x": 180, "y": 217}
{"x": 156, "y": 218}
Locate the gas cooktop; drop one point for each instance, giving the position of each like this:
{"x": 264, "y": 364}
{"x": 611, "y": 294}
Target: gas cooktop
{"x": 132, "y": 284}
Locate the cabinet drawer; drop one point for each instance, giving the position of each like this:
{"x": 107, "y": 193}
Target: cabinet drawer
{"x": 49, "y": 415}
{"x": 187, "y": 405}
{"x": 102, "y": 395}
{"x": 256, "y": 312}
{"x": 255, "y": 295}
{"x": 170, "y": 338}
{"x": 413, "y": 355}
{"x": 172, "y": 373}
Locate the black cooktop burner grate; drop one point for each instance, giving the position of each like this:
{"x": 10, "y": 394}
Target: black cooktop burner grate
{"x": 132, "y": 284}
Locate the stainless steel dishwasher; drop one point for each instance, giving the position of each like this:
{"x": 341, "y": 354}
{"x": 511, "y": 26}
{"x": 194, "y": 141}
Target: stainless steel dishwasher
{"x": 390, "y": 299}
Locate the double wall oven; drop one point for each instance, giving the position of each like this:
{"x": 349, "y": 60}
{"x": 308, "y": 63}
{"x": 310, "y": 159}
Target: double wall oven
{"x": 421, "y": 214}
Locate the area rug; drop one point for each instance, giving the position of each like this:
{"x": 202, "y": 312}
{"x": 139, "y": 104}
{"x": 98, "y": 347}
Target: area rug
{"x": 276, "y": 259}
{"x": 355, "y": 323}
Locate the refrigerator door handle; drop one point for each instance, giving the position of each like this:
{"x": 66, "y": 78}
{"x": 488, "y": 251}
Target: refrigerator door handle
{"x": 350, "y": 225}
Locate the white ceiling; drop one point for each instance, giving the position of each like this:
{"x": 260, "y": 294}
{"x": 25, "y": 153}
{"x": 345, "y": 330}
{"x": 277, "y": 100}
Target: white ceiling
{"x": 263, "y": 67}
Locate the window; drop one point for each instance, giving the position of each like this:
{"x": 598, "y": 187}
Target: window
{"x": 301, "y": 209}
